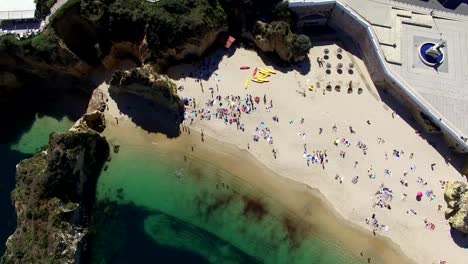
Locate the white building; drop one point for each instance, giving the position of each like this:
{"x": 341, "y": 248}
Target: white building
{"x": 17, "y": 10}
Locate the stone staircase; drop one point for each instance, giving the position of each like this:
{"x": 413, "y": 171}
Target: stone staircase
{"x": 389, "y": 37}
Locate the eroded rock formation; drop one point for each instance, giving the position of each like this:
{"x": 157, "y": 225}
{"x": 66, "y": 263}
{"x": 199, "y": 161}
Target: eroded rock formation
{"x": 146, "y": 83}
{"x": 91, "y": 121}
{"x": 277, "y": 37}
{"x": 53, "y": 197}
{"x": 456, "y": 196}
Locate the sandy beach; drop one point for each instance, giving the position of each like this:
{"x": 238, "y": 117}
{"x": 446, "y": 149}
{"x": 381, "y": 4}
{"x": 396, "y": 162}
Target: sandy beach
{"x": 360, "y": 154}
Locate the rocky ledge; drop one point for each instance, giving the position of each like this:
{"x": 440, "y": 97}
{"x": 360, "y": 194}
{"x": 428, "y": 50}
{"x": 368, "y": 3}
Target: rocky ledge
{"x": 277, "y": 37}
{"x": 54, "y": 195}
{"x": 456, "y": 196}
{"x": 146, "y": 83}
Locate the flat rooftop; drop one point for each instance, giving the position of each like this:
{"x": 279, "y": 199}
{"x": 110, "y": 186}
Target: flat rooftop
{"x": 17, "y": 5}
{"x": 17, "y": 9}
{"x": 455, "y": 6}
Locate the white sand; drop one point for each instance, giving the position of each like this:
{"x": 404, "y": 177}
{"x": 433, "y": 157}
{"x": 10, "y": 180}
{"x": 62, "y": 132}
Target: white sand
{"x": 353, "y": 201}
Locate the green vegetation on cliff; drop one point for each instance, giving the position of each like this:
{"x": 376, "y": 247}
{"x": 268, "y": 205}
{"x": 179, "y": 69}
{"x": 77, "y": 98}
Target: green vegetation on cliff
{"x": 165, "y": 24}
{"x": 282, "y": 13}
{"x": 88, "y": 28}
{"x": 41, "y": 45}
{"x": 277, "y": 37}
{"x": 53, "y": 197}
{"x": 43, "y": 6}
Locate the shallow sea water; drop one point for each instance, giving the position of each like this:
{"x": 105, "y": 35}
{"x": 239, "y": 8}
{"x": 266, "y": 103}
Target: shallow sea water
{"x": 155, "y": 208}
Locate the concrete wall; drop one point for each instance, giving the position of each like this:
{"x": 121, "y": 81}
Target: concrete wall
{"x": 349, "y": 23}
{"x": 352, "y": 29}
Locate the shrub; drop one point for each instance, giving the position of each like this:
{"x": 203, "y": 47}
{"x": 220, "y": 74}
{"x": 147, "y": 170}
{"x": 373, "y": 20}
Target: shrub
{"x": 300, "y": 46}
{"x": 283, "y": 13}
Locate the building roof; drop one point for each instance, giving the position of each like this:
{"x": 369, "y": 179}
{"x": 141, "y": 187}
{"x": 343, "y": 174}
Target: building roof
{"x": 17, "y": 9}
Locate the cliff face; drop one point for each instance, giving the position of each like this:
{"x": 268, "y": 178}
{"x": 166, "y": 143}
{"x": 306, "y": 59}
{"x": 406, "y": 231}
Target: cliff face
{"x": 88, "y": 34}
{"x": 456, "y": 196}
{"x": 277, "y": 37}
{"x": 53, "y": 198}
{"x": 144, "y": 82}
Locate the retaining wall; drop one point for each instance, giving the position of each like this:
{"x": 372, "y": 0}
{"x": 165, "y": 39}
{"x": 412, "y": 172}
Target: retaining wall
{"x": 346, "y": 21}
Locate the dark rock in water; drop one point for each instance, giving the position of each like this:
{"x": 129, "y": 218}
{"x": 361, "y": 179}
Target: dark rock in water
{"x": 53, "y": 198}
{"x": 116, "y": 148}
{"x": 95, "y": 121}
{"x": 456, "y": 196}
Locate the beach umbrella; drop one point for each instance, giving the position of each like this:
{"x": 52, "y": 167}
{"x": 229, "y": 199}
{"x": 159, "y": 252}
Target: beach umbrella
{"x": 186, "y": 100}
{"x": 419, "y": 194}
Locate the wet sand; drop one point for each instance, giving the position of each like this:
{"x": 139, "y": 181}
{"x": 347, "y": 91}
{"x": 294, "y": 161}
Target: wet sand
{"x": 310, "y": 212}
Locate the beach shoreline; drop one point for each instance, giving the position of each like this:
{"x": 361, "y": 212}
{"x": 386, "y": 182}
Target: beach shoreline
{"x": 326, "y": 121}
{"x": 308, "y": 204}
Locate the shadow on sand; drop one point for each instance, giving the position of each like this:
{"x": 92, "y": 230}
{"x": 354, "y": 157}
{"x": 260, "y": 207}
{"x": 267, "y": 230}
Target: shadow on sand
{"x": 276, "y": 63}
{"x": 150, "y": 116}
{"x": 459, "y": 238}
{"x": 209, "y": 63}
{"x": 433, "y": 139}
{"x": 206, "y": 64}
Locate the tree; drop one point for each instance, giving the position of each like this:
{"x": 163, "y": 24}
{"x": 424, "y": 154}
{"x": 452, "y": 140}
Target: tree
{"x": 300, "y": 46}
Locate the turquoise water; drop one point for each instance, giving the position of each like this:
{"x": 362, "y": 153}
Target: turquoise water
{"x": 11, "y": 153}
{"x": 155, "y": 208}
{"x": 37, "y": 136}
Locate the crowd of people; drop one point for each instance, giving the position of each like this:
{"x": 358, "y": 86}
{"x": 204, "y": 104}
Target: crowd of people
{"x": 347, "y": 143}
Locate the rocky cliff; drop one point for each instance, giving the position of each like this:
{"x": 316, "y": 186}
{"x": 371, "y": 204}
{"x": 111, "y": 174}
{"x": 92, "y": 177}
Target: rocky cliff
{"x": 86, "y": 35}
{"x": 145, "y": 82}
{"x": 456, "y": 196}
{"x": 54, "y": 195}
{"x": 277, "y": 37}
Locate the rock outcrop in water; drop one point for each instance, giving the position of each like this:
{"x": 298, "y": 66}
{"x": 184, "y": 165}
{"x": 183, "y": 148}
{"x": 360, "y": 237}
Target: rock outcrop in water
{"x": 277, "y": 37}
{"x": 91, "y": 121}
{"x": 456, "y": 196}
{"x": 54, "y": 195}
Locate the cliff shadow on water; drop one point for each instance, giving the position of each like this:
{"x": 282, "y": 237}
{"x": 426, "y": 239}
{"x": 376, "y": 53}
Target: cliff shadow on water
{"x": 150, "y": 236}
{"x": 18, "y": 116}
{"x": 7, "y": 182}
